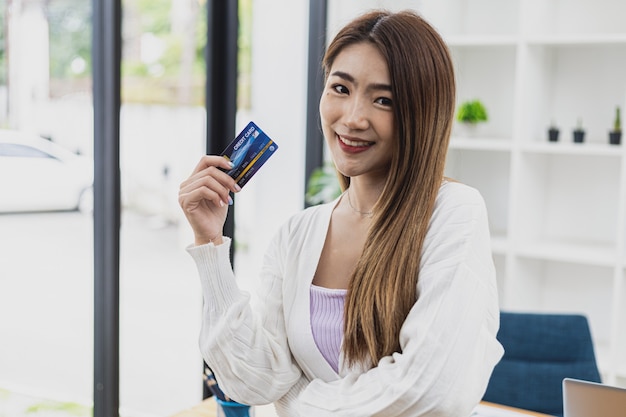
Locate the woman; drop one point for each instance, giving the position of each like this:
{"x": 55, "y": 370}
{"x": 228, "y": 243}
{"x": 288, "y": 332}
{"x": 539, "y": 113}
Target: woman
{"x": 383, "y": 302}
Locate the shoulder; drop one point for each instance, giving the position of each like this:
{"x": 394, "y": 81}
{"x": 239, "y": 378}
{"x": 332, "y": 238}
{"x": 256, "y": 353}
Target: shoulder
{"x": 458, "y": 199}
{"x": 458, "y": 232}
{"x": 456, "y": 193}
{"x": 459, "y": 209}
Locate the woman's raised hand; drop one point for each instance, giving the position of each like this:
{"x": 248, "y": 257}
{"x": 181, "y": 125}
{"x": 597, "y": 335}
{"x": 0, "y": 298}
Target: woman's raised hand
{"x": 204, "y": 198}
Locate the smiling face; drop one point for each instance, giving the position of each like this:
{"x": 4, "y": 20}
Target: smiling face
{"x": 357, "y": 114}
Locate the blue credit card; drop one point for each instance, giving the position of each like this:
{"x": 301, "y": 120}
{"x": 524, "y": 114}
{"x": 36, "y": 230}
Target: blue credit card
{"x": 248, "y": 152}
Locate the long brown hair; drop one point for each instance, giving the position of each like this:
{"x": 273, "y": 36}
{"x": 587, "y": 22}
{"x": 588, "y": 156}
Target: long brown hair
{"x": 383, "y": 287}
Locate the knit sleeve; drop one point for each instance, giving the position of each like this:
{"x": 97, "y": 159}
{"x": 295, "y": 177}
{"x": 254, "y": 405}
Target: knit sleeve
{"x": 246, "y": 348}
{"x": 448, "y": 340}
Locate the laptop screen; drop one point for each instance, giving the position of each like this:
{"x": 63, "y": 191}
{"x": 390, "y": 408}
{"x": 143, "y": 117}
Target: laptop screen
{"x": 590, "y": 399}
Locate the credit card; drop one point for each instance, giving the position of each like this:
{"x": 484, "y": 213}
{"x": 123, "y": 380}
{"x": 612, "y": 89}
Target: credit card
{"x": 248, "y": 152}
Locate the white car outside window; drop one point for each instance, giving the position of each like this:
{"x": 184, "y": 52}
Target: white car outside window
{"x": 39, "y": 175}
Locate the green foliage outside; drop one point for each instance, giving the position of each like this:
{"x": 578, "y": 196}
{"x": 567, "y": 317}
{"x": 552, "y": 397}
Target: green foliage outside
{"x": 35, "y": 407}
{"x": 153, "y": 17}
{"x": 157, "y": 81}
{"x": 65, "y": 409}
{"x": 69, "y": 27}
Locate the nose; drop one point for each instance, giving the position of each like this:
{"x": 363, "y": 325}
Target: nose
{"x": 356, "y": 116}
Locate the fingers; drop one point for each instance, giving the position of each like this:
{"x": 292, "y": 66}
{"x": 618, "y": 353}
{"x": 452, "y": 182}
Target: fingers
{"x": 204, "y": 191}
{"x": 211, "y": 165}
{"x": 212, "y": 160}
{"x": 208, "y": 183}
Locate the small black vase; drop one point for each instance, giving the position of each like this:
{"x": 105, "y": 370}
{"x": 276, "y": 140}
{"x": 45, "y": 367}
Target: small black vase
{"x": 579, "y": 136}
{"x": 553, "y": 134}
{"x": 615, "y": 138}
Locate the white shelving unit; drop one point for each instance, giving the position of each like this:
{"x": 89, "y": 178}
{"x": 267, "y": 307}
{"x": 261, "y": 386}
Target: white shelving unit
{"x": 557, "y": 210}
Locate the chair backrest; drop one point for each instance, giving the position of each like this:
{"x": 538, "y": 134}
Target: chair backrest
{"x": 540, "y": 350}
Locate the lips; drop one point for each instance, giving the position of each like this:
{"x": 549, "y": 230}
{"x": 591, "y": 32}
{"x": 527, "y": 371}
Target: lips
{"x": 353, "y": 145}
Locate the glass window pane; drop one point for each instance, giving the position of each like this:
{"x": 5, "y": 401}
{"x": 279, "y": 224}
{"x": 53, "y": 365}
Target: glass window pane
{"x": 162, "y": 134}
{"x": 46, "y": 227}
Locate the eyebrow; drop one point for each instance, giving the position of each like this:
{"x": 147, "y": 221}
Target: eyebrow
{"x": 350, "y": 78}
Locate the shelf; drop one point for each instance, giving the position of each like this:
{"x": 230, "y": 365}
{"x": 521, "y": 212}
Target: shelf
{"x": 487, "y": 74}
{"x": 499, "y": 244}
{"x": 468, "y": 18}
{"x": 583, "y": 17}
{"x": 570, "y": 148}
{"x": 588, "y": 254}
{"x": 577, "y": 40}
{"x": 488, "y": 172}
{"x": 571, "y": 83}
{"x": 459, "y": 41}
{"x": 556, "y": 209}
{"x": 480, "y": 143}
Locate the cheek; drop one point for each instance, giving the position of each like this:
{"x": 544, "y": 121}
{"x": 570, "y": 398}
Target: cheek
{"x": 327, "y": 109}
{"x": 388, "y": 130}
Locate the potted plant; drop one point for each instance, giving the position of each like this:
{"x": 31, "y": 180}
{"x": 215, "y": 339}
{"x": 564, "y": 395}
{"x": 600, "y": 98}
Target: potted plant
{"x": 579, "y": 132}
{"x": 615, "y": 135}
{"x": 472, "y": 112}
{"x": 553, "y": 132}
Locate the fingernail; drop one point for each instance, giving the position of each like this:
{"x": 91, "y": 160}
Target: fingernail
{"x": 231, "y": 164}
{"x": 230, "y": 201}
{"x": 237, "y": 188}
{"x": 221, "y": 203}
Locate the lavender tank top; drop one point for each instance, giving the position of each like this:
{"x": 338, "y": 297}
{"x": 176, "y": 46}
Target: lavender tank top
{"x": 327, "y": 321}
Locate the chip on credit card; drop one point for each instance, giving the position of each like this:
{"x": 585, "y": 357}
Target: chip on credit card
{"x": 248, "y": 152}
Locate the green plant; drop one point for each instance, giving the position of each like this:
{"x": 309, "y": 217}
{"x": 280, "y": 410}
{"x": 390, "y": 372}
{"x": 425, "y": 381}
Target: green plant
{"x": 617, "y": 123}
{"x": 472, "y": 111}
{"x": 323, "y": 185}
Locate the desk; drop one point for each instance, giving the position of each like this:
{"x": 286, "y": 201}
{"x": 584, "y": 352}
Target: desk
{"x": 207, "y": 408}
{"x": 514, "y": 411}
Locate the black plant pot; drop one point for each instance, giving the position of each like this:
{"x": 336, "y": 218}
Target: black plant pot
{"x": 553, "y": 134}
{"x": 615, "y": 138}
{"x": 579, "y": 136}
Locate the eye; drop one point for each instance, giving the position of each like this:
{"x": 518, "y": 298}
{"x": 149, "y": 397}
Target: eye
{"x": 341, "y": 89}
{"x": 384, "y": 101}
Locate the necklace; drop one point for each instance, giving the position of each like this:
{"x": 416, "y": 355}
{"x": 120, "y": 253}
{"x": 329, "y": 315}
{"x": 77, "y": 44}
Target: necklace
{"x": 363, "y": 213}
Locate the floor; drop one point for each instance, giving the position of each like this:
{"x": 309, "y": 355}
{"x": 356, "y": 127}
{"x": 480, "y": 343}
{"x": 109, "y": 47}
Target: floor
{"x": 46, "y": 295}
{"x": 46, "y": 315}
{"x": 20, "y": 405}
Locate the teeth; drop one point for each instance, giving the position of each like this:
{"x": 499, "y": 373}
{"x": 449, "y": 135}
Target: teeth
{"x": 354, "y": 143}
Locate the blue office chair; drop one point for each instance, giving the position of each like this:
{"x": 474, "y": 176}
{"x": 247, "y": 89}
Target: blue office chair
{"x": 541, "y": 350}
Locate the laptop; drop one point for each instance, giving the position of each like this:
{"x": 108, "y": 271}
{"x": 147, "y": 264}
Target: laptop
{"x": 591, "y": 399}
